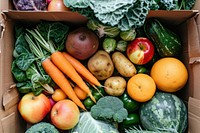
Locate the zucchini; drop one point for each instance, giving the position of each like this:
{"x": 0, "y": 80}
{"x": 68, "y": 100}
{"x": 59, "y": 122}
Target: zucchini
{"x": 166, "y": 41}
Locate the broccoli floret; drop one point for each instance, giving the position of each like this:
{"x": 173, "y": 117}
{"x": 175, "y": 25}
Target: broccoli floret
{"x": 42, "y": 127}
{"x": 109, "y": 108}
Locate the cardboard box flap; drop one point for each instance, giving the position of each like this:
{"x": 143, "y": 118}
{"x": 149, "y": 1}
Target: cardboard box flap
{"x": 71, "y": 17}
{"x": 196, "y": 5}
{"x": 194, "y": 123}
{"x": 8, "y": 123}
{"x": 193, "y": 44}
{"x": 194, "y": 115}
{"x": 10, "y": 97}
{"x": 173, "y": 17}
{"x": 194, "y": 106}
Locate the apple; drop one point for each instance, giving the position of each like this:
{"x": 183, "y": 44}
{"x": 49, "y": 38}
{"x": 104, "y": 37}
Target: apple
{"x": 57, "y": 5}
{"x": 34, "y": 108}
{"x": 140, "y": 51}
{"x": 48, "y": 1}
{"x": 65, "y": 114}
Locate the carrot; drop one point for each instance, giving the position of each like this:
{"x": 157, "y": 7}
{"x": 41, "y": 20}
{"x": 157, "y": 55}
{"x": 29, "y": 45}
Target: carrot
{"x": 60, "y": 61}
{"x": 65, "y": 66}
{"x": 81, "y": 69}
{"x": 59, "y": 78}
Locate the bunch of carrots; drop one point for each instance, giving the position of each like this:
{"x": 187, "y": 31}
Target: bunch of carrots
{"x": 61, "y": 64}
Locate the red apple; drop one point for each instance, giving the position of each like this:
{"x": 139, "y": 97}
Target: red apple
{"x": 34, "y": 108}
{"x": 65, "y": 114}
{"x": 57, "y": 5}
{"x": 140, "y": 51}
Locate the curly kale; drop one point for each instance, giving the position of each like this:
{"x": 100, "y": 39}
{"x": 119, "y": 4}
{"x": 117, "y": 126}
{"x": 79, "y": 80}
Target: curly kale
{"x": 109, "y": 108}
{"x": 172, "y": 4}
{"x": 42, "y": 127}
{"x": 125, "y": 14}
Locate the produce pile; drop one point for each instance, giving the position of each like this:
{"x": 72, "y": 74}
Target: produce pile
{"x": 98, "y": 78}
{"x": 118, "y": 73}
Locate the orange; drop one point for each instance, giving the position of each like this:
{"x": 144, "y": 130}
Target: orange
{"x": 58, "y": 95}
{"x": 141, "y": 87}
{"x": 169, "y": 74}
{"x": 80, "y": 93}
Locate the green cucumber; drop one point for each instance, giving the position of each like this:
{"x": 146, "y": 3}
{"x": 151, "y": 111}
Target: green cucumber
{"x": 166, "y": 41}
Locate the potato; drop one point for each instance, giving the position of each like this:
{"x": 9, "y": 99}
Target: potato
{"x": 101, "y": 65}
{"x": 123, "y": 65}
{"x": 115, "y": 86}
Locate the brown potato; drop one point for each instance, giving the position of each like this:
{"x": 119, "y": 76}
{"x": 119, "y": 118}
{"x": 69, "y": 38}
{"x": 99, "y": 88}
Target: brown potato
{"x": 125, "y": 67}
{"x": 115, "y": 86}
{"x": 101, "y": 65}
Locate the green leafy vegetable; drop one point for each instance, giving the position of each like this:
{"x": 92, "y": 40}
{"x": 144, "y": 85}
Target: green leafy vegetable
{"x": 24, "y": 87}
{"x": 21, "y": 45}
{"x": 29, "y": 74}
{"x": 124, "y": 14}
{"x": 135, "y": 17}
{"x": 172, "y": 4}
{"x": 110, "y": 12}
{"x": 168, "y": 4}
{"x": 87, "y": 124}
{"x": 186, "y": 4}
{"x": 19, "y": 74}
{"x": 109, "y": 108}
{"x": 135, "y": 129}
{"x": 24, "y": 60}
{"x": 55, "y": 32}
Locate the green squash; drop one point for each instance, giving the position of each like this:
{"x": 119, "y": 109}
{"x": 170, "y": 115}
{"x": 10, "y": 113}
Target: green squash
{"x": 166, "y": 41}
{"x": 164, "y": 112}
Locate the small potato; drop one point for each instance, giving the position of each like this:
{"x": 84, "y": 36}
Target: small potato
{"x": 115, "y": 86}
{"x": 101, "y": 65}
{"x": 123, "y": 65}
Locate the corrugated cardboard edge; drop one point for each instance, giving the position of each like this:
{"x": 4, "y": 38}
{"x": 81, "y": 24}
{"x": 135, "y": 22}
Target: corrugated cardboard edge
{"x": 193, "y": 44}
{"x": 194, "y": 115}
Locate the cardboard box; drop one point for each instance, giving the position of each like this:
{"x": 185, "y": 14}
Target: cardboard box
{"x": 186, "y": 22}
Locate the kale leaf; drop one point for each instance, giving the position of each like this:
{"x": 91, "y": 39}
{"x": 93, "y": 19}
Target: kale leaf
{"x": 55, "y": 32}
{"x": 113, "y": 12}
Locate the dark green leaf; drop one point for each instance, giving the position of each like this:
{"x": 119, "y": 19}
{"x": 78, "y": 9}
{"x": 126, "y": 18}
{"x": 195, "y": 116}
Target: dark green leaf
{"x": 24, "y": 87}
{"x": 135, "y": 16}
{"x": 24, "y": 60}
{"x": 38, "y": 91}
{"x": 54, "y": 31}
{"x": 21, "y": 45}
{"x": 19, "y": 75}
{"x": 168, "y": 5}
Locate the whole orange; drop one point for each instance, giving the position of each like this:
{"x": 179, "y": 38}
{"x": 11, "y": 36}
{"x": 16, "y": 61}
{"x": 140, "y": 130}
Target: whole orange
{"x": 58, "y": 95}
{"x": 141, "y": 87}
{"x": 169, "y": 74}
